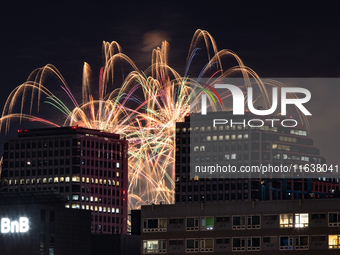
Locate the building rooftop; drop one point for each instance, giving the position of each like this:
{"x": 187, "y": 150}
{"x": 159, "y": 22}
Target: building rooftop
{"x": 65, "y": 131}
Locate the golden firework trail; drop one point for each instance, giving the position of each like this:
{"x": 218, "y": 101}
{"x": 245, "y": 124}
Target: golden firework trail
{"x": 163, "y": 97}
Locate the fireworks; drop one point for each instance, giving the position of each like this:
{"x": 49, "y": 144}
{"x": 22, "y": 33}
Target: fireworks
{"x": 161, "y": 94}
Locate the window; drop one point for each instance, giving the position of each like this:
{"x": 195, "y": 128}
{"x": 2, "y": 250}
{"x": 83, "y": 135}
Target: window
{"x": 269, "y": 239}
{"x": 320, "y": 238}
{"x": 176, "y": 242}
{"x": 333, "y": 219}
{"x": 154, "y": 246}
{"x": 254, "y": 243}
{"x": 154, "y": 225}
{"x": 207, "y": 223}
{"x": 334, "y": 241}
{"x": 176, "y": 221}
{"x": 301, "y": 243}
{"x": 223, "y": 219}
{"x": 239, "y": 222}
{"x": 286, "y": 243}
{"x": 254, "y": 221}
{"x": 269, "y": 217}
{"x": 207, "y": 244}
{"x": 192, "y": 224}
{"x": 318, "y": 216}
{"x": 191, "y": 245}
{"x": 301, "y": 220}
{"x": 286, "y": 220}
{"x": 239, "y": 244}
{"x": 222, "y": 240}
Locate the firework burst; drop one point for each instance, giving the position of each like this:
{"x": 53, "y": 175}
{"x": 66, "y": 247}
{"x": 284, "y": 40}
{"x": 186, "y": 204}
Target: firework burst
{"x": 164, "y": 98}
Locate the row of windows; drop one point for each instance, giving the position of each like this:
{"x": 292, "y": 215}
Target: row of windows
{"x": 225, "y": 128}
{"x": 249, "y": 243}
{"x": 50, "y": 180}
{"x": 95, "y": 208}
{"x": 221, "y": 138}
{"x": 239, "y": 222}
{"x": 104, "y": 228}
{"x": 102, "y": 146}
{"x": 41, "y": 144}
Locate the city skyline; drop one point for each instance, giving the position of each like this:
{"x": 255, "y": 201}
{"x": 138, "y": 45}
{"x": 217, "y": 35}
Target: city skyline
{"x": 258, "y": 57}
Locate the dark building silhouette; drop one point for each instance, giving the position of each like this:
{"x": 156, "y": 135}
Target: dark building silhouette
{"x": 303, "y": 226}
{"x": 88, "y": 167}
{"x": 241, "y": 145}
{"x": 37, "y": 222}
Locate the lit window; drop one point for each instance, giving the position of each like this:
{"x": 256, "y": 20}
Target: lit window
{"x": 286, "y": 220}
{"x": 75, "y": 206}
{"x": 117, "y": 183}
{"x": 56, "y": 179}
{"x": 233, "y": 156}
{"x": 227, "y": 137}
{"x": 239, "y": 136}
{"x": 154, "y": 246}
{"x": 334, "y": 241}
{"x": 202, "y": 148}
{"x": 220, "y": 138}
{"x": 301, "y": 220}
{"x": 117, "y": 210}
{"x": 233, "y": 137}
{"x": 75, "y": 197}
{"x": 209, "y": 138}
{"x": 207, "y": 223}
{"x": 67, "y": 179}
{"x": 214, "y": 138}
{"x": 75, "y": 178}
{"x": 118, "y": 165}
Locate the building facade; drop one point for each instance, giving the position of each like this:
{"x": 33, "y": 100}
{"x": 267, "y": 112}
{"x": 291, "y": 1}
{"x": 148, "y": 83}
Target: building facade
{"x": 37, "y": 222}
{"x": 88, "y": 167}
{"x": 309, "y": 226}
{"x": 241, "y": 145}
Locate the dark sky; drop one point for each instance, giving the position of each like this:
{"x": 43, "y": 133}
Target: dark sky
{"x": 274, "y": 38}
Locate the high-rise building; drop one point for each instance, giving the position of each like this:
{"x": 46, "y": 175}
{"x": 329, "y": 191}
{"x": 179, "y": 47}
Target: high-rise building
{"x": 240, "y": 145}
{"x": 88, "y": 167}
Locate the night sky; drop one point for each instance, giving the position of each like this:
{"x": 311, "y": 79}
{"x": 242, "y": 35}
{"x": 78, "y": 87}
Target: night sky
{"x": 275, "y": 39}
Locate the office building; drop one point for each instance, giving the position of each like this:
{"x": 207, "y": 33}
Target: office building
{"x": 37, "y": 222}
{"x": 241, "y": 145}
{"x": 309, "y": 226}
{"x": 88, "y": 167}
